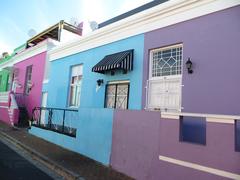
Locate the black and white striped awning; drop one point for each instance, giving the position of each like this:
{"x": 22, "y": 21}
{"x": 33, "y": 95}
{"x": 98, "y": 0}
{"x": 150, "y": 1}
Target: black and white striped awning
{"x": 121, "y": 60}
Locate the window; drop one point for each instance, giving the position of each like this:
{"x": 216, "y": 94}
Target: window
{"x": 28, "y": 83}
{"x": 117, "y": 95}
{"x": 237, "y": 135}
{"x": 193, "y": 130}
{"x": 164, "y": 85}
{"x": 166, "y": 61}
{"x": 75, "y": 86}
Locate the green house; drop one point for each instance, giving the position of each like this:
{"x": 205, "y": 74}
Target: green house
{"x": 5, "y": 73}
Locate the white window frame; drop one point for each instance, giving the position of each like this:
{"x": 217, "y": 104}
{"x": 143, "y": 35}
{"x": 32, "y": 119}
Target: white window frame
{"x": 28, "y": 80}
{"x": 77, "y": 85}
{"x": 162, "y": 78}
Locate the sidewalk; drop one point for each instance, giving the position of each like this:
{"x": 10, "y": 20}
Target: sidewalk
{"x": 63, "y": 161}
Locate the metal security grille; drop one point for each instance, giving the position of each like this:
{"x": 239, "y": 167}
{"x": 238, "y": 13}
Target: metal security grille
{"x": 164, "y": 84}
{"x": 167, "y": 62}
{"x": 117, "y": 96}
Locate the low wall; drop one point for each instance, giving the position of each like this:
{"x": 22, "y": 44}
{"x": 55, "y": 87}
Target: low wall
{"x": 94, "y": 134}
{"x": 141, "y": 137}
{"x": 4, "y": 117}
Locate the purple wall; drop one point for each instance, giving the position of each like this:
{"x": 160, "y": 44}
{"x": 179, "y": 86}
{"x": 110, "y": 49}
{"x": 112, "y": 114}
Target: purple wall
{"x": 212, "y": 42}
{"x": 38, "y": 64}
{"x": 139, "y": 137}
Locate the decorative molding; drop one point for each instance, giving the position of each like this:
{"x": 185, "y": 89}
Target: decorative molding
{"x": 170, "y": 116}
{"x": 30, "y": 52}
{"x": 220, "y": 120}
{"x": 199, "y": 167}
{"x": 168, "y": 13}
{"x": 217, "y": 118}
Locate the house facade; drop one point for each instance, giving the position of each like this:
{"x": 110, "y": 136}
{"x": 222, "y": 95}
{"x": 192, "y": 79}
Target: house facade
{"x": 154, "y": 95}
{"x": 26, "y": 70}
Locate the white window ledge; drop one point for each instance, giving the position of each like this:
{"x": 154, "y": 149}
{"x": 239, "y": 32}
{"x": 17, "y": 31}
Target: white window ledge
{"x": 217, "y": 118}
{"x": 45, "y": 81}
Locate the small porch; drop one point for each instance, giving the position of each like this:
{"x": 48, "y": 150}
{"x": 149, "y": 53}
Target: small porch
{"x": 55, "y": 119}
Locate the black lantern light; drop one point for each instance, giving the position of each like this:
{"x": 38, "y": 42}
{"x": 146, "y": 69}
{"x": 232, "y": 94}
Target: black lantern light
{"x": 189, "y": 66}
{"x": 99, "y": 82}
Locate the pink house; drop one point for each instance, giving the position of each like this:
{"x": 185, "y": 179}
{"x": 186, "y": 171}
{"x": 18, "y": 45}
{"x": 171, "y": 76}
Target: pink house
{"x": 28, "y": 78}
{"x": 29, "y": 69}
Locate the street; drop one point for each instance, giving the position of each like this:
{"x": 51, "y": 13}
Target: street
{"x": 15, "y": 167}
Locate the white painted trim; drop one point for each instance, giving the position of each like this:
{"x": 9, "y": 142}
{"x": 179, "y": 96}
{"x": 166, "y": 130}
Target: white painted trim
{"x": 220, "y": 120}
{"x": 30, "y": 52}
{"x": 45, "y": 81}
{"x": 216, "y": 118}
{"x": 118, "y": 82}
{"x": 5, "y": 107}
{"x": 199, "y": 167}
{"x": 213, "y": 116}
{"x": 169, "y": 116}
{"x": 168, "y": 13}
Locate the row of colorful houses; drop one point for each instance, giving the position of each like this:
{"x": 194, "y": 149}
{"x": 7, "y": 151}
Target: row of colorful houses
{"x": 153, "y": 93}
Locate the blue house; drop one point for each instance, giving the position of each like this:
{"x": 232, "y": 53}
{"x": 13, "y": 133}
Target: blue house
{"x": 130, "y": 93}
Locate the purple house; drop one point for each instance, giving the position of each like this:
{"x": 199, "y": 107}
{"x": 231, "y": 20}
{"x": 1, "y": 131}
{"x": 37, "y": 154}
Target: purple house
{"x": 153, "y": 93}
{"x": 190, "y": 74}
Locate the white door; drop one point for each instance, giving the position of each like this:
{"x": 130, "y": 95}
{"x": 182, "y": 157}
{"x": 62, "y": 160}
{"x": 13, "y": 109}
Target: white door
{"x": 44, "y": 104}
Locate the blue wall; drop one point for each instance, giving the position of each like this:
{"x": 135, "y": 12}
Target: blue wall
{"x": 94, "y": 123}
{"x": 60, "y": 71}
{"x": 94, "y": 134}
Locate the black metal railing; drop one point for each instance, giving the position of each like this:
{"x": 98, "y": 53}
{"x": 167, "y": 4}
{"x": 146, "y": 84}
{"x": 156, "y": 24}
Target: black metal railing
{"x": 55, "y": 119}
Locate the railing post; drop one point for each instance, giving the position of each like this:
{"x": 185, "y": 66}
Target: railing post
{"x": 40, "y": 114}
{"x": 50, "y": 118}
{"x": 63, "y": 120}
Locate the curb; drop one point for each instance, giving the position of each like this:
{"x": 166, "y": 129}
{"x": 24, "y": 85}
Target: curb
{"x": 60, "y": 170}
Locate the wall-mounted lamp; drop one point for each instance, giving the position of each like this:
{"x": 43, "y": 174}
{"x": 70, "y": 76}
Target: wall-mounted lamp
{"x": 99, "y": 82}
{"x": 189, "y": 66}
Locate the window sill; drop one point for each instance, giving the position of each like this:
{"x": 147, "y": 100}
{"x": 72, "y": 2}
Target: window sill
{"x": 73, "y": 107}
{"x": 209, "y": 117}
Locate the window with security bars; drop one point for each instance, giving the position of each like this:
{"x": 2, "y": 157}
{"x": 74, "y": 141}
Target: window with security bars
{"x": 28, "y": 79}
{"x": 166, "y": 62}
{"x": 75, "y": 86}
{"x": 117, "y": 96}
{"x": 164, "y": 84}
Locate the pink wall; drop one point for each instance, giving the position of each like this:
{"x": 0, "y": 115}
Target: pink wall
{"x": 4, "y": 114}
{"x": 4, "y": 117}
{"x": 38, "y": 64}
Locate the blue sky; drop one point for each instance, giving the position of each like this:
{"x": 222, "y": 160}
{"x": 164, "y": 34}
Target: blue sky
{"x": 17, "y": 17}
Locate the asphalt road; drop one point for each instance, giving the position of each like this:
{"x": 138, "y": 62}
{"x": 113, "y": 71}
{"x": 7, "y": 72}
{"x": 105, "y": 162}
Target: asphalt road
{"x": 15, "y": 167}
